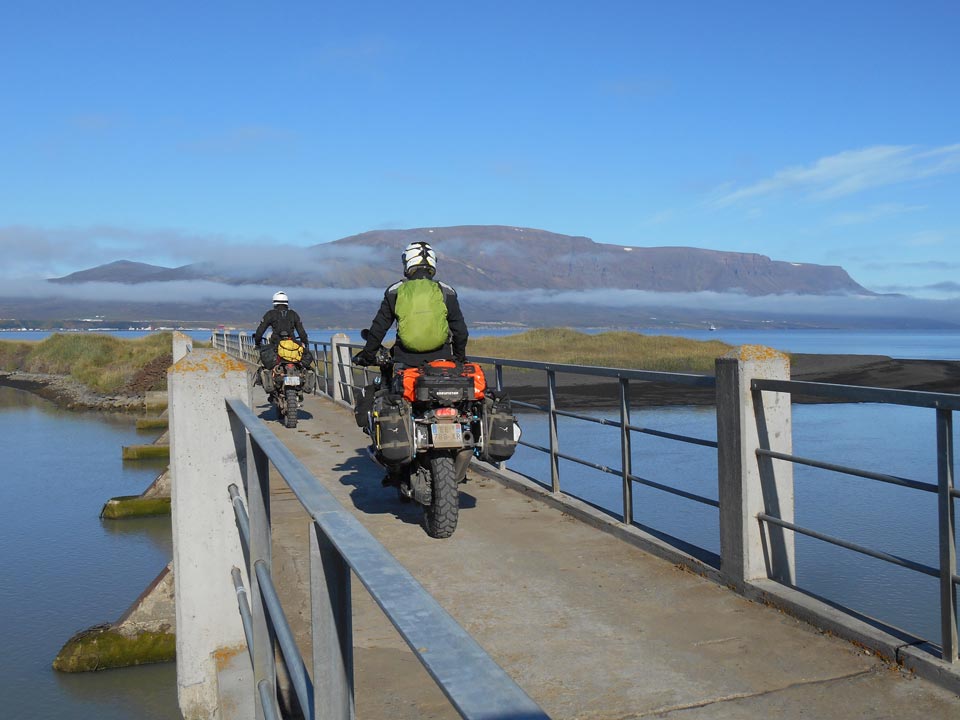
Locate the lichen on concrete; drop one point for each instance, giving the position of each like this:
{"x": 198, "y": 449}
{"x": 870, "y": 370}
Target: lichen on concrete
{"x": 127, "y": 506}
{"x": 144, "y": 452}
{"x": 755, "y": 353}
{"x": 103, "y": 647}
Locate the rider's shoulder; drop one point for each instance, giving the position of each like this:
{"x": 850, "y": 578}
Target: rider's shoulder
{"x": 396, "y": 286}
{"x": 448, "y": 289}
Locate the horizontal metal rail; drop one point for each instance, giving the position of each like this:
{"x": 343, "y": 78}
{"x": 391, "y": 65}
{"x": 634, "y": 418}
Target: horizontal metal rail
{"x": 857, "y": 393}
{"x": 634, "y": 478}
{"x": 882, "y": 477}
{"x": 707, "y": 381}
{"x": 676, "y": 491}
{"x": 893, "y": 559}
{"x": 475, "y": 685}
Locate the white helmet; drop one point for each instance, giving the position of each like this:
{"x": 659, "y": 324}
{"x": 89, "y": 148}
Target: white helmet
{"x": 417, "y": 255}
{"x": 280, "y": 298}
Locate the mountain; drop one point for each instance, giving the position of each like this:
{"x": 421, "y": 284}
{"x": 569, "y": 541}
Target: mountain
{"x": 502, "y": 258}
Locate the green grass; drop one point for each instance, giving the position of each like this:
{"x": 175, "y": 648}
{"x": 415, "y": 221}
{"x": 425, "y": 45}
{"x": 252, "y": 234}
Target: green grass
{"x": 610, "y": 349}
{"x": 101, "y": 362}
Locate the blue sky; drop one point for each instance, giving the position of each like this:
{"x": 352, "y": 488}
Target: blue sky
{"x": 822, "y": 132}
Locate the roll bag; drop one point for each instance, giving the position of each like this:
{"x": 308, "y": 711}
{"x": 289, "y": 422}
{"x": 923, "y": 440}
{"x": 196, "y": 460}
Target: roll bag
{"x": 442, "y": 381}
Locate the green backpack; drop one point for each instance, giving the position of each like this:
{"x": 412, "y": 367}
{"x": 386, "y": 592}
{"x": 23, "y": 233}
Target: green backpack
{"x": 421, "y": 315}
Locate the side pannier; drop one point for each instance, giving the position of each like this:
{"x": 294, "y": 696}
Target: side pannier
{"x": 393, "y": 429}
{"x": 500, "y": 429}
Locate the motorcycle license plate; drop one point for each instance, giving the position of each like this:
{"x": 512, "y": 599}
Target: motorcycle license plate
{"x": 447, "y": 435}
{"x": 291, "y": 380}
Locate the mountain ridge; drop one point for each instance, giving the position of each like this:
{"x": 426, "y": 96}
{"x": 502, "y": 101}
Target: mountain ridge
{"x": 506, "y": 258}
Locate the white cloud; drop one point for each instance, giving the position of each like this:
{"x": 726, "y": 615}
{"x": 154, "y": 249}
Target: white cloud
{"x": 840, "y": 306}
{"x": 874, "y": 213}
{"x": 189, "y": 291}
{"x": 849, "y": 172}
{"x": 929, "y": 238}
{"x": 52, "y": 252}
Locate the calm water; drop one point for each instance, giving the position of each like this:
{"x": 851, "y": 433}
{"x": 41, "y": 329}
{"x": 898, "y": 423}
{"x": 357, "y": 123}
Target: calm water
{"x": 64, "y": 569}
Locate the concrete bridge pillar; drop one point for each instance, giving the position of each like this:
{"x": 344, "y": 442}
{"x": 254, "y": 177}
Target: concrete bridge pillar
{"x": 341, "y": 368}
{"x": 206, "y": 544}
{"x": 182, "y": 344}
{"x": 748, "y": 484}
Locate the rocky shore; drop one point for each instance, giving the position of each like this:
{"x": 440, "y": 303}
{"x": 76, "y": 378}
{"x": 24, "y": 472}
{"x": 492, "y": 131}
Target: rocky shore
{"x": 69, "y": 393}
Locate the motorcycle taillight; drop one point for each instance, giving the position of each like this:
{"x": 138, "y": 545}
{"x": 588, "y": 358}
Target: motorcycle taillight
{"x": 445, "y": 412}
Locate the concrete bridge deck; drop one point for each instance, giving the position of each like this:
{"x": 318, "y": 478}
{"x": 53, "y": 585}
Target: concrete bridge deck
{"x": 588, "y": 625}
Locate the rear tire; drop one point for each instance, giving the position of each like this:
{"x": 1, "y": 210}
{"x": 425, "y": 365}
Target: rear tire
{"x": 440, "y": 517}
{"x": 290, "y": 417}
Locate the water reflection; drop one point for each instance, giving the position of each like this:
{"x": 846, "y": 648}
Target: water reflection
{"x": 65, "y": 569}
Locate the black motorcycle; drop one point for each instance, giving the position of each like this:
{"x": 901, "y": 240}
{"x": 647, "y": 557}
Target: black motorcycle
{"x": 285, "y": 376}
{"x": 426, "y": 423}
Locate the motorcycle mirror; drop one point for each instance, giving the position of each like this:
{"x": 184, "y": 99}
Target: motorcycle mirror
{"x": 364, "y": 333}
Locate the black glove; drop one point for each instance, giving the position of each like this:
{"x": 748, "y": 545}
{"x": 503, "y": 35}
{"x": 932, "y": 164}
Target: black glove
{"x": 364, "y": 358}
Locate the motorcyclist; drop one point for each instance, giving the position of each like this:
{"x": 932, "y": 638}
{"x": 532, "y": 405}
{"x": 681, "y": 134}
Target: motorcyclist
{"x": 283, "y": 321}
{"x": 430, "y": 324}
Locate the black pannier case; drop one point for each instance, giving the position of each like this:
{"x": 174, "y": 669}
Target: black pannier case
{"x": 363, "y": 404}
{"x": 268, "y": 355}
{"x": 498, "y": 426}
{"x": 393, "y": 429}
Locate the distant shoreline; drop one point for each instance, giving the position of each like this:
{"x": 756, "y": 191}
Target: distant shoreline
{"x": 864, "y": 370}
{"x": 594, "y": 392}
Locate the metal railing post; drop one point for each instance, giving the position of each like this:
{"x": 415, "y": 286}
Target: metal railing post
{"x": 330, "y": 594}
{"x": 554, "y": 436}
{"x": 948, "y": 543}
{"x": 626, "y": 451}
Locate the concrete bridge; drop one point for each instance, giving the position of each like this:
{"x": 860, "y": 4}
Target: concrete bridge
{"x": 564, "y": 612}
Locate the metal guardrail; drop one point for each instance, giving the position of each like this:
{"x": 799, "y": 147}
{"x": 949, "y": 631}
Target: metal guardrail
{"x": 477, "y": 687}
{"x": 624, "y": 376}
{"x": 350, "y": 378}
{"x": 944, "y": 404}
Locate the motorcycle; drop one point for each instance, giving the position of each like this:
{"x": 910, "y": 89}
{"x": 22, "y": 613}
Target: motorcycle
{"x": 426, "y": 424}
{"x": 285, "y": 377}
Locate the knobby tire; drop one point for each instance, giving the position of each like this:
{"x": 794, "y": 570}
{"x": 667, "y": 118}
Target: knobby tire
{"x": 290, "y": 417}
{"x": 440, "y": 517}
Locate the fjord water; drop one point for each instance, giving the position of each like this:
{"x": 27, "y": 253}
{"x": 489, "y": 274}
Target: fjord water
{"x": 64, "y": 569}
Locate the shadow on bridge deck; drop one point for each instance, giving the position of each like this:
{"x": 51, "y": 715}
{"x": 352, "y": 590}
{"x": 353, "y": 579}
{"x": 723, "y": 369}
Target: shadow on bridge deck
{"x": 588, "y": 625}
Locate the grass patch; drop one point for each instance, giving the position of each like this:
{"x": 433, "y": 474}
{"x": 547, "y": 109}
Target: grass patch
{"x": 610, "y": 349}
{"x": 103, "y": 363}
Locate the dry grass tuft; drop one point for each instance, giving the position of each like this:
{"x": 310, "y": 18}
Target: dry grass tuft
{"x": 610, "y": 349}
{"x": 103, "y": 363}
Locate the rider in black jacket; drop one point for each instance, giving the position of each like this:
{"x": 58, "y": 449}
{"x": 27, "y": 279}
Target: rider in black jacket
{"x": 419, "y": 262}
{"x": 284, "y": 322}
